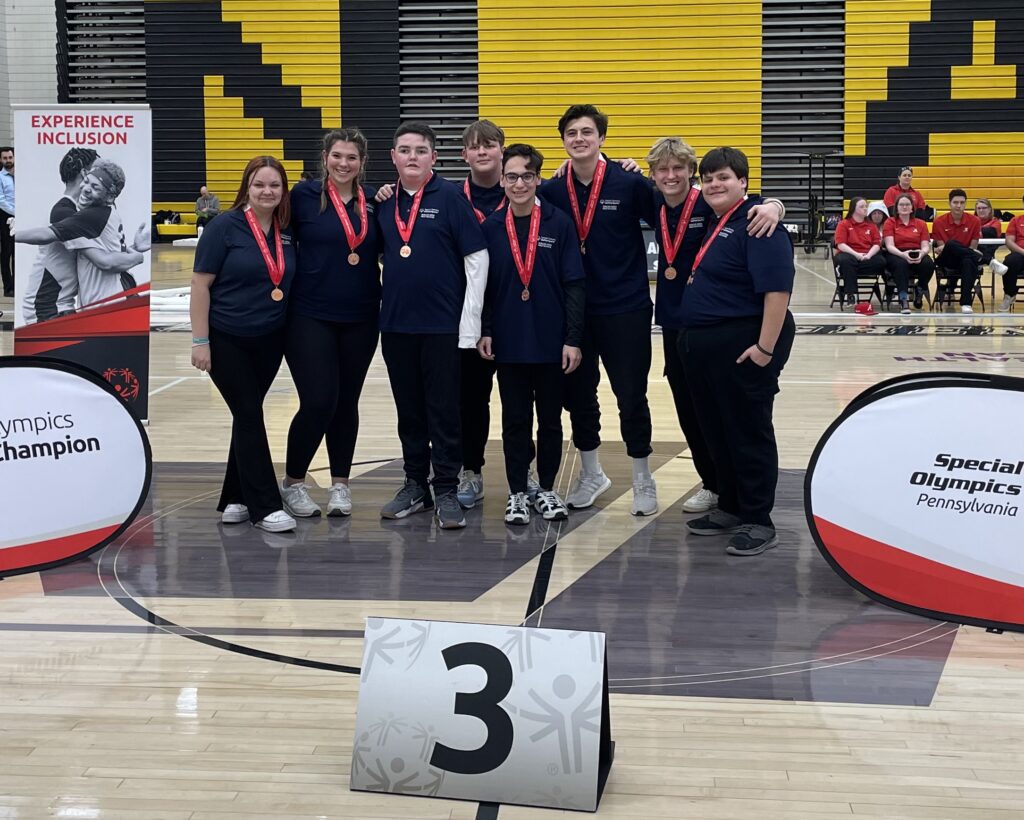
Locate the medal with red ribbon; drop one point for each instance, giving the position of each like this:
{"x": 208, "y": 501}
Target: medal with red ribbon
{"x": 670, "y": 246}
{"x": 480, "y": 215}
{"x": 714, "y": 235}
{"x": 583, "y": 224}
{"x": 346, "y": 223}
{"x": 405, "y": 231}
{"x": 275, "y": 269}
{"x": 525, "y": 268}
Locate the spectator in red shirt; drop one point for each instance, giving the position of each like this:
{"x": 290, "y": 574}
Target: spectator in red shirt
{"x": 1014, "y": 262}
{"x": 906, "y": 252}
{"x": 956, "y": 236}
{"x": 858, "y": 245}
{"x": 991, "y": 228}
{"x": 902, "y": 186}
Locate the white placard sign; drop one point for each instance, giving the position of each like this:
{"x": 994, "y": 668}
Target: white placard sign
{"x": 481, "y": 712}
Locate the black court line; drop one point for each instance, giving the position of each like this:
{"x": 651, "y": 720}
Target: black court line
{"x": 539, "y": 593}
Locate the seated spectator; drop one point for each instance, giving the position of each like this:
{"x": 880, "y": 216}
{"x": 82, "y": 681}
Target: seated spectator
{"x": 903, "y": 186}
{"x": 878, "y": 213}
{"x": 207, "y": 206}
{"x": 906, "y": 252}
{"x": 858, "y": 244}
{"x": 956, "y": 236}
{"x": 1014, "y": 262}
{"x": 991, "y": 228}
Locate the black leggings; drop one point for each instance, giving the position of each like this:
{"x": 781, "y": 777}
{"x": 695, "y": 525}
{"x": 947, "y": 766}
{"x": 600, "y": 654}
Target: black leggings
{"x": 1015, "y": 264}
{"x": 328, "y": 362}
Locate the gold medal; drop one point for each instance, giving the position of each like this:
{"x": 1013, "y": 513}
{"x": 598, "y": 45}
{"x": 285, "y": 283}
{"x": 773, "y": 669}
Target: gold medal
{"x": 670, "y": 273}
{"x": 353, "y": 258}
{"x": 277, "y": 294}
{"x": 405, "y": 252}
{"x": 526, "y": 295}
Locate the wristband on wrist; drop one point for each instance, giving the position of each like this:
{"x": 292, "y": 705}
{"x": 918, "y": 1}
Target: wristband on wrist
{"x": 766, "y": 353}
{"x": 199, "y": 342}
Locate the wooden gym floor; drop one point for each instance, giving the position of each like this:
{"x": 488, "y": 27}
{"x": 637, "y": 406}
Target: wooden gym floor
{"x": 158, "y": 678}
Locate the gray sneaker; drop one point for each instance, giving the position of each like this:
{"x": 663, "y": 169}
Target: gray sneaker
{"x": 297, "y": 501}
{"x": 1007, "y": 303}
{"x": 412, "y": 498}
{"x": 448, "y": 512}
{"x": 645, "y": 497}
{"x": 471, "y": 489}
{"x": 715, "y": 523}
{"x": 587, "y": 488}
{"x": 340, "y": 501}
{"x": 752, "y": 539}
{"x": 532, "y": 487}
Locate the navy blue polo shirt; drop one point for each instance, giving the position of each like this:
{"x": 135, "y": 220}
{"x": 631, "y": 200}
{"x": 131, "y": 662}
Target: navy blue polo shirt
{"x": 326, "y": 286}
{"x": 736, "y": 272}
{"x": 424, "y": 292}
{"x": 532, "y": 331}
{"x": 485, "y": 200}
{"x": 240, "y": 301}
{"x": 616, "y": 257}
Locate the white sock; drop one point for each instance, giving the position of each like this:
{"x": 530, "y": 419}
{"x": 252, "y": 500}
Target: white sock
{"x": 590, "y": 461}
{"x": 641, "y": 469}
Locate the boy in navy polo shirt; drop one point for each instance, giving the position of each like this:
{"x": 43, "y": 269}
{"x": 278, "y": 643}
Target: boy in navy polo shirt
{"x": 433, "y": 282}
{"x": 533, "y": 325}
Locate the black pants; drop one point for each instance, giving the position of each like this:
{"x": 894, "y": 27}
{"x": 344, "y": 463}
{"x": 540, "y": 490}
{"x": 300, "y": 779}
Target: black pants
{"x": 328, "y": 361}
{"x": 962, "y": 264}
{"x": 988, "y": 251}
{"x": 734, "y": 407}
{"x": 477, "y": 381}
{"x": 686, "y": 411}
{"x": 623, "y": 344}
{"x": 1015, "y": 263}
{"x": 904, "y": 273}
{"x": 6, "y": 253}
{"x": 851, "y": 268}
{"x": 243, "y": 368}
{"x": 522, "y": 386}
{"x": 425, "y": 374}
{"x": 203, "y": 220}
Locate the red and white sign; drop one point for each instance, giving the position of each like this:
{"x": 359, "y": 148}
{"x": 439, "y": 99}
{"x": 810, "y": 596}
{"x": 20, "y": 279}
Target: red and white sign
{"x": 75, "y": 463}
{"x": 915, "y": 495}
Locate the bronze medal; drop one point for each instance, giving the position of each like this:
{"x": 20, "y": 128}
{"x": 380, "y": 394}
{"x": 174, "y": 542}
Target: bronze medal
{"x": 277, "y": 294}
{"x": 670, "y": 273}
{"x": 353, "y": 258}
{"x": 526, "y": 295}
{"x": 405, "y": 252}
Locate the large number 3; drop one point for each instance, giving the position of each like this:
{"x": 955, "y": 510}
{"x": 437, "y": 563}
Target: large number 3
{"x": 482, "y": 705}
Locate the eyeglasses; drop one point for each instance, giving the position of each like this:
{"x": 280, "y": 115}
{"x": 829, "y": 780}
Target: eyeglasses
{"x": 529, "y": 178}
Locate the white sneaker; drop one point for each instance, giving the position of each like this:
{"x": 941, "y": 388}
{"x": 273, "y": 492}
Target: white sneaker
{"x": 645, "y": 497}
{"x": 278, "y": 521}
{"x": 550, "y": 505}
{"x": 297, "y": 501}
{"x": 587, "y": 488}
{"x": 471, "y": 489}
{"x": 517, "y": 510}
{"x": 966, "y": 309}
{"x": 701, "y": 501}
{"x": 998, "y": 268}
{"x": 1007, "y": 303}
{"x": 340, "y": 502}
{"x": 235, "y": 514}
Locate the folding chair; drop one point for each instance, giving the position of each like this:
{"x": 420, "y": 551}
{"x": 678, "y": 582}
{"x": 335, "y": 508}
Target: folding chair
{"x": 866, "y": 288}
{"x": 944, "y": 292}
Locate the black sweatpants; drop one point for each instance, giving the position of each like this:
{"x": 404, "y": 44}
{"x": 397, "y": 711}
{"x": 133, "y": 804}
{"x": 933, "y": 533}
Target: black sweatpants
{"x": 523, "y": 386}
{"x": 734, "y": 407}
{"x": 962, "y": 263}
{"x": 328, "y": 362}
{"x": 851, "y": 268}
{"x": 1015, "y": 264}
{"x": 477, "y": 381}
{"x": 425, "y": 374}
{"x": 686, "y": 411}
{"x": 623, "y": 344}
{"x": 988, "y": 251}
{"x": 903, "y": 272}
{"x": 6, "y": 253}
{"x": 243, "y": 368}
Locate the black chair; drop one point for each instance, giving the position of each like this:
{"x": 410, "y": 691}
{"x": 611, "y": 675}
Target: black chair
{"x": 945, "y": 292}
{"x": 866, "y": 288}
{"x": 892, "y": 293}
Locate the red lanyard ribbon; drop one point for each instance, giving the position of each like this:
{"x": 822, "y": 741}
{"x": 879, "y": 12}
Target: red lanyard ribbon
{"x": 276, "y": 271}
{"x": 480, "y": 215}
{"x": 583, "y": 225}
{"x": 525, "y": 268}
{"x": 714, "y": 235}
{"x": 346, "y": 223}
{"x": 670, "y": 247}
{"x": 405, "y": 231}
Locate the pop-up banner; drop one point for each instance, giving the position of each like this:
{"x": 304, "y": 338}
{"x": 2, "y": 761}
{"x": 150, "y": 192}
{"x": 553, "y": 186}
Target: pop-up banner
{"x": 75, "y": 463}
{"x": 915, "y": 494}
{"x": 82, "y": 240}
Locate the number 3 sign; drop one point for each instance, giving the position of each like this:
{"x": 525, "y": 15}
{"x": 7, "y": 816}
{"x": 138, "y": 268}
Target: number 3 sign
{"x": 477, "y": 712}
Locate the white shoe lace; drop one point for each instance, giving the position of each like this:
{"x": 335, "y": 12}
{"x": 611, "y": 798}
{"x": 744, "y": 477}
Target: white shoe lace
{"x": 516, "y": 504}
{"x": 588, "y": 482}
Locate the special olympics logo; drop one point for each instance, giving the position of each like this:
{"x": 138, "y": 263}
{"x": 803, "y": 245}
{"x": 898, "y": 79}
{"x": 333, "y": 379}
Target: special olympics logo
{"x": 124, "y": 382}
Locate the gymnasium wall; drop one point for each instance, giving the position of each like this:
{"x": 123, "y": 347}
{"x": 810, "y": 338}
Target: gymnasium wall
{"x": 937, "y": 85}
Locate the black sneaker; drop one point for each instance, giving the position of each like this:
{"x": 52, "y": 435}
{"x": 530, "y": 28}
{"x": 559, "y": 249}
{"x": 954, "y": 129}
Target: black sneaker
{"x": 752, "y": 539}
{"x": 715, "y": 523}
{"x": 412, "y": 498}
{"x": 918, "y": 298}
{"x": 448, "y": 512}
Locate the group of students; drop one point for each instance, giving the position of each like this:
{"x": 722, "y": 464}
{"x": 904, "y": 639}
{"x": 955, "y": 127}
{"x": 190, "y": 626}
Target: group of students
{"x": 536, "y": 282}
{"x": 891, "y": 238}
